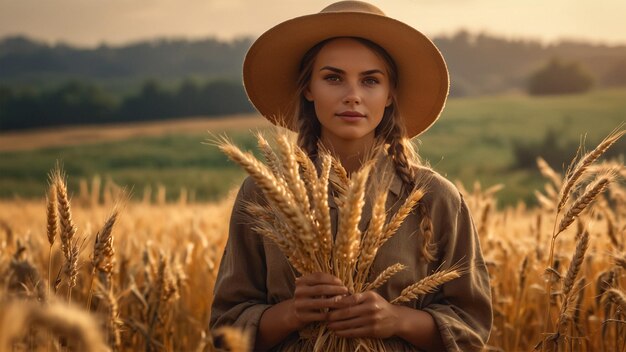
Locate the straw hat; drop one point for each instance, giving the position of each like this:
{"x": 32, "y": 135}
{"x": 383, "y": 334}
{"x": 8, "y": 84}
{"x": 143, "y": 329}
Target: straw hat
{"x": 270, "y": 69}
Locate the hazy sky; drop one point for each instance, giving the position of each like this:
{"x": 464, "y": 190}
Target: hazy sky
{"x": 90, "y": 22}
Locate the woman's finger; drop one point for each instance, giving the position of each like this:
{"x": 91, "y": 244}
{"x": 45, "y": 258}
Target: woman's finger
{"x": 315, "y": 303}
{"x": 320, "y": 290}
{"x": 348, "y": 324}
{"x": 309, "y": 317}
{"x": 318, "y": 279}
{"x": 363, "y": 331}
{"x": 350, "y": 300}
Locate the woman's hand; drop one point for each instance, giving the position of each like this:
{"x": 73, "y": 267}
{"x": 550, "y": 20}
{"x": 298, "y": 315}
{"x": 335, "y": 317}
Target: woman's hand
{"x": 314, "y": 292}
{"x": 364, "y": 314}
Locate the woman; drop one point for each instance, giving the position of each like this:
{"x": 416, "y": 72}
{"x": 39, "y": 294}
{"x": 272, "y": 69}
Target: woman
{"x": 351, "y": 78}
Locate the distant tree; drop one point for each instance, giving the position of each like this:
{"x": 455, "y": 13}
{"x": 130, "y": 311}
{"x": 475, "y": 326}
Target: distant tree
{"x": 188, "y": 98}
{"x": 153, "y": 102}
{"x": 559, "y": 77}
{"x": 616, "y": 77}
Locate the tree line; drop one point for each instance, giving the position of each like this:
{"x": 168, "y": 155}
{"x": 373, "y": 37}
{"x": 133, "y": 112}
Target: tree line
{"x": 51, "y": 85}
{"x": 478, "y": 63}
{"x": 80, "y": 102}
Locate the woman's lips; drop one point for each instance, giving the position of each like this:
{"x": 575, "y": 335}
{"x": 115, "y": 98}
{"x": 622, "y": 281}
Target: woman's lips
{"x": 350, "y": 116}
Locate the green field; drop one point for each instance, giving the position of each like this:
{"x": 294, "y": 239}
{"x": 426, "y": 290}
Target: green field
{"x": 473, "y": 140}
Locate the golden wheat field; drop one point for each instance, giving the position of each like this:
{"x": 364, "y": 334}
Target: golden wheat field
{"x": 139, "y": 276}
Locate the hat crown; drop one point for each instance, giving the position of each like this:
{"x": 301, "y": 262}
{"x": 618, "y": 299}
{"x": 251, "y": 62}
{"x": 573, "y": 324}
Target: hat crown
{"x": 353, "y": 6}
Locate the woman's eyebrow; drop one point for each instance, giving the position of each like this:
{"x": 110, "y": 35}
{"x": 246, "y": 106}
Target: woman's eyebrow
{"x": 334, "y": 69}
{"x": 371, "y": 72}
{"x": 364, "y": 73}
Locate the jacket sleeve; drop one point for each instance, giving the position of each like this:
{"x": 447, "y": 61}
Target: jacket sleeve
{"x": 239, "y": 295}
{"x": 462, "y": 308}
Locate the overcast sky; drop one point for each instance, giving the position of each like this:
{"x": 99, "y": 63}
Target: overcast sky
{"x": 91, "y": 22}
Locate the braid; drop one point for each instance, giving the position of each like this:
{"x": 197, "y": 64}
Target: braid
{"x": 401, "y": 162}
{"x": 400, "y": 150}
{"x": 429, "y": 249}
{"x": 309, "y": 129}
{"x": 406, "y": 161}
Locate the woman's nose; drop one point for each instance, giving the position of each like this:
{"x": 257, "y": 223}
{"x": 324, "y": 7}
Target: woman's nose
{"x": 353, "y": 95}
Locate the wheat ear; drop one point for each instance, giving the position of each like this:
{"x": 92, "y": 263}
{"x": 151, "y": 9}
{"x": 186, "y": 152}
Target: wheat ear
{"x": 339, "y": 179}
{"x": 81, "y": 331}
{"x": 576, "y": 263}
{"x": 275, "y": 191}
{"x": 371, "y": 238}
{"x": 590, "y": 193}
{"x": 113, "y": 323}
{"x": 291, "y": 172}
{"x": 427, "y": 285}
{"x": 583, "y": 164}
{"x": 620, "y": 260}
{"x": 322, "y": 210}
{"x": 569, "y": 303}
{"x": 347, "y": 241}
{"x": 270, "y": 157}
{"x": 236, "y": 340}
{"x": 404, "y": 210}
{"x": 616, "y": 296}
{"x": 103, "y": 253}
{"x": 71, "y": 268}
{"x": 385, "y": 276}
{"x": 549, "y": 172}
{"x": 52, "y": 216}
{"x": 68, "y": 229}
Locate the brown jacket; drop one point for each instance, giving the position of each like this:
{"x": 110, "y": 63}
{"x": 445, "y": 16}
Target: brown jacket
{"x": 254, "y": 274}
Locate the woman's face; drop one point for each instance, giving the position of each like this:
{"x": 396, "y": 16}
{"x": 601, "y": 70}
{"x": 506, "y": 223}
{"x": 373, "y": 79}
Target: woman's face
{"x": 350, "y": 89}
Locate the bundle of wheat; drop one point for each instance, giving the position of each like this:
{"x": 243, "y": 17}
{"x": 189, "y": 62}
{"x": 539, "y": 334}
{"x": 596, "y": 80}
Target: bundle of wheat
{"x": 296, "y": 217}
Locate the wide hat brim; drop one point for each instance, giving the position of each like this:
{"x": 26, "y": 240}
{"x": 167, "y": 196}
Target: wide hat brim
{"x": 271, "y": 66}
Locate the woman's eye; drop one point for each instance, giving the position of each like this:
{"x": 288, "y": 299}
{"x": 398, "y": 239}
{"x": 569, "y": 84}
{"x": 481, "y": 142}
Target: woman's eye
{"x": 332, "y": 78}
{"x": 370, "y": 81}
